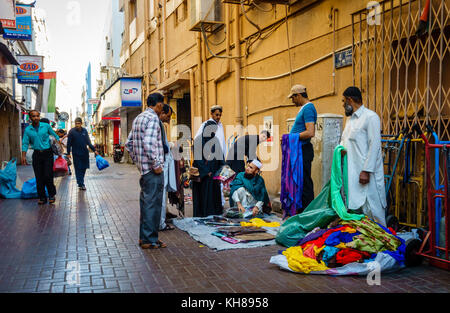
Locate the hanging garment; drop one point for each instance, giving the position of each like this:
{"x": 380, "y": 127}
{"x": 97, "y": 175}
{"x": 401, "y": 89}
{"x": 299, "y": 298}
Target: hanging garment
{"x": 291, "y": 175}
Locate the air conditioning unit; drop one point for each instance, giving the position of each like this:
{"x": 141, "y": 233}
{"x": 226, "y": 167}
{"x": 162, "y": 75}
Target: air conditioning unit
{"x": 206, "y": 15}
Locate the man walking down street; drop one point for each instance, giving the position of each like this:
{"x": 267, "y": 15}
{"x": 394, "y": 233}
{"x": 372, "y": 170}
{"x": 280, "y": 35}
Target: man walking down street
{"x": 304, "y": 125}
{"x": 77, "y": 143}
{"x": 38, "y": 134}
{"x": 362, "y": 140}
{"x": 146, "y": 149}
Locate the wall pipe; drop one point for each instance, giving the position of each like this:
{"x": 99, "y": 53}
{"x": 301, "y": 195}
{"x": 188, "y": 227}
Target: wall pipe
{"x": 237, "y": 64}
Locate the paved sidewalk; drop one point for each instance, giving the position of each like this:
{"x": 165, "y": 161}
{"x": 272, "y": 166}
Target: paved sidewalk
{"x": 99, "y": 230}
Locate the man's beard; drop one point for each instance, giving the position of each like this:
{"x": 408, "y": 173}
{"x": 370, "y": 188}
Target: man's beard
{"x": 249, "y": 176}
{"x": 348, "y": 110}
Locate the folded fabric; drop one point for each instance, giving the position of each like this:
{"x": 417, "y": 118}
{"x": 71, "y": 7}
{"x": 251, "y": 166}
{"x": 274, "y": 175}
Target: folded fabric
{"x": 340, "y": 236}
{"x": 240, "y": 230}
{"x": 260, "y": 223}
{"x": 312, "y": 236}
{"x": 255, "y": 237}
{"x": 328, "y": 253}
{"x": 347, "y": 256}
{"x": 300, "y": 263}
{"x": 321, "y": 241}
{"x": 373, "y": 238}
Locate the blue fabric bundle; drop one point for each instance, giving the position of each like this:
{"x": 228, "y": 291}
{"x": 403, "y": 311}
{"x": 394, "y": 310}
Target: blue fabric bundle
{"x": 101, "y": 163}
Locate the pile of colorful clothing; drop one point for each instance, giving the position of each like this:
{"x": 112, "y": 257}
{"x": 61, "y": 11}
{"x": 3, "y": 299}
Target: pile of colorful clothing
{"x": 344, "y": 248}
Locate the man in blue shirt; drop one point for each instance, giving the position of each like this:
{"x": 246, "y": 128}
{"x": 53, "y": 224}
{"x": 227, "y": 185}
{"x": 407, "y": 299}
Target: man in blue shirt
{"x": 38, "y": 134}
{"x": 305, "y": 126}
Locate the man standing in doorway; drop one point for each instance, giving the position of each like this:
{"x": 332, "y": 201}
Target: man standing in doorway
{"x": 145, "y": 146}
{"x": 362, "y": 140}
{"x": 38, "y": 134}
{"x": 305, "y": 126}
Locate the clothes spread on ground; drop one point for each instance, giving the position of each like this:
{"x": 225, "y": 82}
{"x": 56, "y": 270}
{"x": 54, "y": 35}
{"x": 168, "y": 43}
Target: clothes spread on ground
{"x": 257, "y": 222}
{"x": 291, "y": 174}
{"x": 328, "y": 250}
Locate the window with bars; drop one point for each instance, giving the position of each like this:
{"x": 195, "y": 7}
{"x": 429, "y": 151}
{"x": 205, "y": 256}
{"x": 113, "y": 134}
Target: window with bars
{"x": 404, "y": 74}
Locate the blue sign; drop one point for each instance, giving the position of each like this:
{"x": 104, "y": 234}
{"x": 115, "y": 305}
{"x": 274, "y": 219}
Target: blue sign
{"x": 131, "y": 92}
{"x": 29, "y": 69}
{"x": 23, "y": 29}
{"x": 343, "y": 58}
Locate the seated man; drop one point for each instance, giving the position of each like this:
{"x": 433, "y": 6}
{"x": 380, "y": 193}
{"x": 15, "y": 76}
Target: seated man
{"x": 249, "y": 193}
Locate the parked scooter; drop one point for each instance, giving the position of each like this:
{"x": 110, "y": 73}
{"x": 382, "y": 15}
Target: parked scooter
{"x": 118, "y": 153}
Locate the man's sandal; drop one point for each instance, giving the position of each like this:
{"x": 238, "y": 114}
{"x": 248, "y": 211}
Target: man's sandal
{"x": 161, "y": 244}
{"x": 168, "y": 227}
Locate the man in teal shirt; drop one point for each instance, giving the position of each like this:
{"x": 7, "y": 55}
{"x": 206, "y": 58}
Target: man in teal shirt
{"x": 305, "y": 126}
{"x": 38, "y": 134}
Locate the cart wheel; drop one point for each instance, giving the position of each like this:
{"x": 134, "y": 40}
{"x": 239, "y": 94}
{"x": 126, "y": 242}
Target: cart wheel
{"x": 392, "y": 222}
{"x": 411, "y": 256}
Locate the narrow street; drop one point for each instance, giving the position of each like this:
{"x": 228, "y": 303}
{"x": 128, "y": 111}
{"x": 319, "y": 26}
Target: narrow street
{"x": 99, "y": 228}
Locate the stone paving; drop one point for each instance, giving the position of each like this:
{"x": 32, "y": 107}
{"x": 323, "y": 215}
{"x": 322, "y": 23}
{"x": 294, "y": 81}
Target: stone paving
{"x": 98, "y": 229}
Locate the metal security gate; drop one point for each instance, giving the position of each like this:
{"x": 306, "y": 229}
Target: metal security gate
{"x": 404, "y": 75}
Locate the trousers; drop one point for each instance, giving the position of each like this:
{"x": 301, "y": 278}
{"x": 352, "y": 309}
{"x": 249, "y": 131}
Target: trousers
{"x": 152, "y": 188}
{"x": 43, "y": 170}
{"x": 308, "y": 185}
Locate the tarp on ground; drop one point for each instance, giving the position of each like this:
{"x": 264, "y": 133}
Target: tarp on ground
{"x": 202, "y": 233}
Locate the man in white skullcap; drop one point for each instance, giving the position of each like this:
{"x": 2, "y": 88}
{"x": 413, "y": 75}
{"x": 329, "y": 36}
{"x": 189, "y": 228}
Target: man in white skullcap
{"x": 249, "y": 193}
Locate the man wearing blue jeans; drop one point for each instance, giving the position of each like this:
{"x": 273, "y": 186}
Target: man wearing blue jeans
{"x": 145, "y": 146}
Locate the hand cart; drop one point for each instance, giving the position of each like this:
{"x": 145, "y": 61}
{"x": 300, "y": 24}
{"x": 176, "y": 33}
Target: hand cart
{"x": 437, "y": 256}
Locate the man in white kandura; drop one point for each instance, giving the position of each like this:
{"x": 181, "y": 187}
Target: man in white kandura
{"x": 362, "y": 140}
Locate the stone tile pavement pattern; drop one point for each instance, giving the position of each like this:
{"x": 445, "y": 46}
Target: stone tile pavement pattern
{"x": 99, "y": 229}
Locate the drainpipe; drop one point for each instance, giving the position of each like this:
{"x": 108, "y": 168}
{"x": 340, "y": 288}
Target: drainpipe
{"x": 198, "y": 110}
{"x": 205, "y": 80}
{"x": 227, "y": 71}
{"x": 237, "y": 62}
{"x": 165, "y": 41}
{"x": 159, "y": 49}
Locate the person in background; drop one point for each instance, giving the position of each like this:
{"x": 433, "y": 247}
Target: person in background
{"x": 208, "y": 159}
{"x": 145, "y": 145}
{"x": 304, "y": 125}
{"x": 169, "y": 167}
{"x": 245, "y": 147}
{"x": 64, "y": 138}
{"x": 38, "y": 134}
{"x": 77, "y": 143}
{"x": 362, "y": 140}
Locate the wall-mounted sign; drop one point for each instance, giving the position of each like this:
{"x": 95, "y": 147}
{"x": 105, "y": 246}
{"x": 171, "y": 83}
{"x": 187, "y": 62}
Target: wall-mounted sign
{"x": 30, "y": 66}
{"x": 268, "y": 125}
{"x": 343, "y": 58}
{"x": 131, "y": 92}
{"x": 23, "y": 29}
{"x": 8, "y": 13}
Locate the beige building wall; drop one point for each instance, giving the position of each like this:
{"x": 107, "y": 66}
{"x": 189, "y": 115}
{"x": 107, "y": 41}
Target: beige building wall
{"x": 297, "y": 52}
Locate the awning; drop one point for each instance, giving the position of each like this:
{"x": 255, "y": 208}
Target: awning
{"x": 7, "y": 54}
{"x": 175, "y": 82}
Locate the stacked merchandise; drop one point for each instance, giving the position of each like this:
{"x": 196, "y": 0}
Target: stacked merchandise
{"x": 345, "y": 248}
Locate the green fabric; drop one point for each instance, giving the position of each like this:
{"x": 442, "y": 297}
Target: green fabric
{"x": 373, "y": 238}
{"x": 336, "y": 183}
{"x": 51, "y": 104}
{"x": 324, "y": 209}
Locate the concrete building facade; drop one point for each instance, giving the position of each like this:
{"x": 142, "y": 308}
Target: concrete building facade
{"x": 246, "y": 55}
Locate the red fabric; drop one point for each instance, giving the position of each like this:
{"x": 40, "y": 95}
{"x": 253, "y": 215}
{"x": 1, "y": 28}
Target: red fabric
{"x": 392, "y": 231}
{"x": 346, "y": 256}
{"x": 319, "y": 242}
{"x": 60, "y": 165}
{"x": 310, "y": 253}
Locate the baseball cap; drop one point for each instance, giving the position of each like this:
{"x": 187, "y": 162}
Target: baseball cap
{"x": 296, "y": 89}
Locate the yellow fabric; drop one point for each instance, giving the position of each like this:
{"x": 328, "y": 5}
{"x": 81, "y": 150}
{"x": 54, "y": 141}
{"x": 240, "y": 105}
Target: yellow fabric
{"x": 341, "y": 246}
{"x": 257, "y": 222}
{"x": 349, "y": 230}
{"x": 299, "y": 263}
